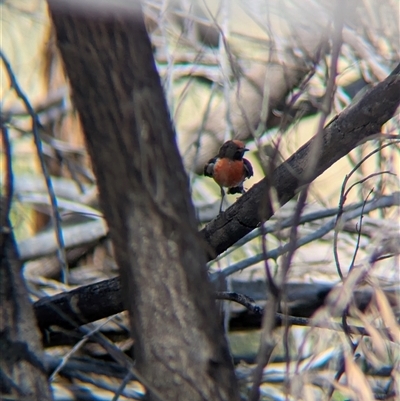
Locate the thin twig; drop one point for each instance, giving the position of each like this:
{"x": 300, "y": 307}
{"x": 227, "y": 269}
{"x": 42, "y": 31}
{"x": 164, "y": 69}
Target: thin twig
{"x": 76, "y": 347}
{"x": 56, "y": 218}
{"x": 200, "y": 131}
{"x": 6, "y": 200}
{"x": 122, "y": 386}
{"x": 102, "y": 384}
{"x": 271, "y": 227}
{"x": 281, "y": 318}
{"x": 226, "y": 67}
{"x": 366, "y": 179}
{"x": 266, "y": 343}
{"x": 386, "y": 201}
{"x": 124, "y": 360}
{"x": 359, "y": 227}
{"x": 241, "y": 299}
{"x": 343, "y": 197}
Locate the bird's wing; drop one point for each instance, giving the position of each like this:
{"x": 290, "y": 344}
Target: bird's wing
{"x": 236, "y": 190}
{"x": 248, "y": 168}
{"x": 209, "y": 167}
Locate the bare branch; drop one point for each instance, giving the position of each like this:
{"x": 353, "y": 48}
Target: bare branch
{"x": 356, "y": 124}
{"x": 56, "y": 218}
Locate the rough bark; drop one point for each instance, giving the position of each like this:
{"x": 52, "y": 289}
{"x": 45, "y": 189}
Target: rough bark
{"x": 179, "y": 347}
{"x": 80, "y": 306}
{"x": 22, "y": 371}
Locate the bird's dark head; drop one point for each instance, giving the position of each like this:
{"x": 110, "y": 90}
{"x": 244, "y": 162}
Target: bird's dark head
{"x": 233, "y": 150}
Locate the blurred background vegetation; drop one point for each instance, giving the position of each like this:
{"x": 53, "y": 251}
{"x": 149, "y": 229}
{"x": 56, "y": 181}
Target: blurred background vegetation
{"x": 211, "y": 56}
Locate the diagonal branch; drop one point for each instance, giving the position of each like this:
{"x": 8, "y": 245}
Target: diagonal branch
{"x": 355, "y": 125}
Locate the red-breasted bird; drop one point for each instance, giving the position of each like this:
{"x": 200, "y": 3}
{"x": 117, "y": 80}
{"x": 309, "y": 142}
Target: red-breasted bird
{"x": 229, "y": 169}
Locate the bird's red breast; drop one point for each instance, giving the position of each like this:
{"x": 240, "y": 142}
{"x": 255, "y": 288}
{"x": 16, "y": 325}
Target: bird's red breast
{"x": 229, "y": 173}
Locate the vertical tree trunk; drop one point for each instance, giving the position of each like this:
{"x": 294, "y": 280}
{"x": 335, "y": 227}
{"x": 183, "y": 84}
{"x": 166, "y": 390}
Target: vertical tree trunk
{"x": 179, "y": 346}
{"x": 22, "y": 374}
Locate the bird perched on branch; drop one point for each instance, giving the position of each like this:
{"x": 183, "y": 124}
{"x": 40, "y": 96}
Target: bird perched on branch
{"x": 229, "y": 169}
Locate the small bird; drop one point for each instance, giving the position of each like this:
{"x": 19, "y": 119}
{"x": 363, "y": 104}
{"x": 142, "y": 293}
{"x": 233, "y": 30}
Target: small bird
{"x": 229, "y": 169}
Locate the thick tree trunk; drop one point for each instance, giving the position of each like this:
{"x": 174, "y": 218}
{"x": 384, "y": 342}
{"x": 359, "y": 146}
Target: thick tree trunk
{"x": 22, "y": 373}
{"x": 179, "y": 346}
